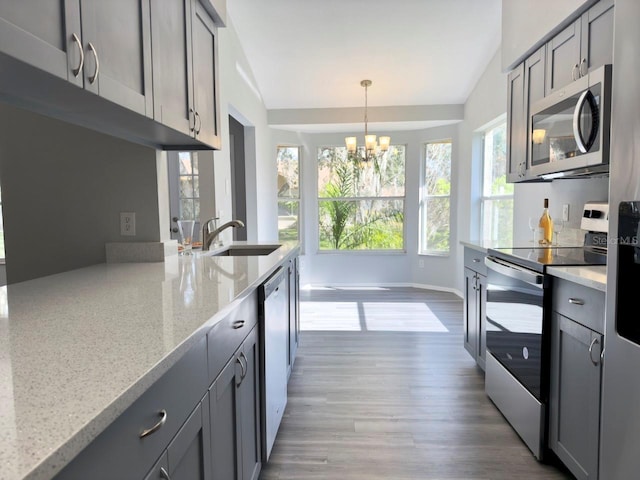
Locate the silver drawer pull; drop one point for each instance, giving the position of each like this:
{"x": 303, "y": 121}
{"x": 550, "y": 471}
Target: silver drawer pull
{"x": 246, "y": 364}
{"x": 156, "y": 427}
{"x": 576, "y": 301}
{"x": 476, "y": 260}
{"x": 164, "y": 474}
{"x": 593, "y": 342}
{"x": 237, "y": 324}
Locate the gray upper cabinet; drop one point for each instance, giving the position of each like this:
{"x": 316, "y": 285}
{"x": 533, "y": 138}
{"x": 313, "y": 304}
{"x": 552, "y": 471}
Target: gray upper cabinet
{"x": 172, "y": 64}
{"x": 45, "y": 34}
{"x": 147, "y": 69}
{"x": 516, "y": 125}
{"x": 584, "y": 45}
{"x": 205, "y": 87}
{"x": 184, "y": 69}
{"x": 117, "y": 52}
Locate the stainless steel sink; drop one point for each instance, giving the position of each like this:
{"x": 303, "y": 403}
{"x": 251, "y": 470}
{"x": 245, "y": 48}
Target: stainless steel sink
{"x": 243, "y": 250}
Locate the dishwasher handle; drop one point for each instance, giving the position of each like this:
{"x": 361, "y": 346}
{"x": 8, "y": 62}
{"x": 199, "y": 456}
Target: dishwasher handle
{"x": 514, "y": 271}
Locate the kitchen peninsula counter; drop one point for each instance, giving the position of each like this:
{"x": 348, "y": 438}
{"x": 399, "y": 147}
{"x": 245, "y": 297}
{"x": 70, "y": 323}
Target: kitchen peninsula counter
{"x": 78, "y": 348}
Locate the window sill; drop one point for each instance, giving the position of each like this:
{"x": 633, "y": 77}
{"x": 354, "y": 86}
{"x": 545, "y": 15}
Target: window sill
{"x": 361, "y": 252}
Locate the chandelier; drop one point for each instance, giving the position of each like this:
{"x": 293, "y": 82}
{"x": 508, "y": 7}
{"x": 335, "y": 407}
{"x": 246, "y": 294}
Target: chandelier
{"x": 372, "y": 148}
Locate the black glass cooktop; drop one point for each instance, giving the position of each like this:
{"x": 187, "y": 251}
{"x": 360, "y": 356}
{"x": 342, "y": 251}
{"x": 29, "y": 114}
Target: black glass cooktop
{"x": 540, "y": 258}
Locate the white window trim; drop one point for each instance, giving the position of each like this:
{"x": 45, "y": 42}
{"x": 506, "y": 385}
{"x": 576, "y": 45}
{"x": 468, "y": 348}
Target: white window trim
{"x": 300, "y": 194}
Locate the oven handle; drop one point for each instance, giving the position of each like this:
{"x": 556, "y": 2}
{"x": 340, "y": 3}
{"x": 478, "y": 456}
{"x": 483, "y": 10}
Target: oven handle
{"x": 514, "y": 271}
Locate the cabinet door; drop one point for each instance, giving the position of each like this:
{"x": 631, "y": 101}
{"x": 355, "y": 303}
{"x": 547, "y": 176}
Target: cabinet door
{"x": 45, "y": 34}
{"x": 189, "y": 453}
{"x": 249, "y": 409}
{"x": 481, "y": 304}
{"x": 117, "y": 44}
{"x": 470, "y": 324}
{"x": 563, "y": 57}
{"x": 597, "y": 37}
{"x": 534, "y": 69}
{"x": 225, "y": 432}
{"x": 172, "y": 64}
{"x": 516, "y": 125}
{"x": 205, "y": 87}
{"x": 160, "y": 470}
{"x": 575, "y": 396}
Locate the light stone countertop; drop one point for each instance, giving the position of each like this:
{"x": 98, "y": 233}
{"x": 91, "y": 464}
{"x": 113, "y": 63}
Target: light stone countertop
{"x": 78, "y": 348}
{"x": 589, "y": 276}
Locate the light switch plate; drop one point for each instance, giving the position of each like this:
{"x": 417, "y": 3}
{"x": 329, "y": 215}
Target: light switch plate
{"x": 128, "y": 223}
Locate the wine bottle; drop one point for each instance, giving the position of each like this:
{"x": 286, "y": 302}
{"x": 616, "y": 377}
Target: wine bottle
{"x": 545, "y": 226}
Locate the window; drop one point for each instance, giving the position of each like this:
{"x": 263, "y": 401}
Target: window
{"x": 189, "y": 188}
{"x": 435, "y": 201}
{"x": 497, "y": 194}
{"x": 361, "y": 203}
{"x": 288, "y": 161}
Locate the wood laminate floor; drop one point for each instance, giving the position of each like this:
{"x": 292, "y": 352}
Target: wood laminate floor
{"x": 382, "y": 388}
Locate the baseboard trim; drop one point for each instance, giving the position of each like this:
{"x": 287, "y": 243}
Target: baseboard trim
{"x": 354, "y": 286}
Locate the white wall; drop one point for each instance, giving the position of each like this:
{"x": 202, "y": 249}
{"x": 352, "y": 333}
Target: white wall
{"x": 63, "y": 188}
{"x": 239, "y": 96}
{"x": 527, "y": 22}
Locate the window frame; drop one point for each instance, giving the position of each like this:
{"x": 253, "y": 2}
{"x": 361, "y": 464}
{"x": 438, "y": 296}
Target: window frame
{"x": 319, "y": 199}
{"x": 423, "y": 196}
{"x": 288, "y": 199}
{"x": 484, "y": 199}
{"x": 174, "y": 191}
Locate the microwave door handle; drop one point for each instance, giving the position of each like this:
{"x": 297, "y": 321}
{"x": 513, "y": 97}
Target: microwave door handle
{"x": 585, "y": 145}
{"x": 513, "y": 271}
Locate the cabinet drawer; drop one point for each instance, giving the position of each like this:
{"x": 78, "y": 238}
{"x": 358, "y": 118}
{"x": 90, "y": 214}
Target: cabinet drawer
{"x": 119, "y": 452}
{"x": 474, "y": 260}
{"x": 581, "y": 304}
{"x": 226, "y": 336}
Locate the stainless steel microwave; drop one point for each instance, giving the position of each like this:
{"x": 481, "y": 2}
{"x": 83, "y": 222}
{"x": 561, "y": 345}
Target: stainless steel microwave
{"x": 569, "y": 129}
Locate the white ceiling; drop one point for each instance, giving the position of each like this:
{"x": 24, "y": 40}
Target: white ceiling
{"x": 307, "y": 54}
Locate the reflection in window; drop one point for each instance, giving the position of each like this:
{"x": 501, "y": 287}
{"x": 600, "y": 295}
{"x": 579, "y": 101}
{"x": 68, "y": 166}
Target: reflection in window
{"x": 188, "y": 186}
{"x": 288, "y": 161}
{"x": 435, "y": 201}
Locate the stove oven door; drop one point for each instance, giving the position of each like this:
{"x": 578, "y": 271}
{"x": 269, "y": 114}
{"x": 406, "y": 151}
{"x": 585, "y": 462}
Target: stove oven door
{"x": 513, "y": 379}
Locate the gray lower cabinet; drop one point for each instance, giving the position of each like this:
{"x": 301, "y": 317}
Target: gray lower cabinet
{"x": 188, "y": 456}
{"x": 234, "y": 399}
{"x": 475, "y": 301}
{"x": 576, "y": 370}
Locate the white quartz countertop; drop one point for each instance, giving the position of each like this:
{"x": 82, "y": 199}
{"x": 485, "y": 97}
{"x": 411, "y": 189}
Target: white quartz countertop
{"x": 589, "y": 276}
{"x": 78, "y": 348}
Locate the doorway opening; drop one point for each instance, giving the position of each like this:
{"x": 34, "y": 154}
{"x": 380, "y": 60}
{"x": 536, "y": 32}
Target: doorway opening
{"x": 238, "y": 174}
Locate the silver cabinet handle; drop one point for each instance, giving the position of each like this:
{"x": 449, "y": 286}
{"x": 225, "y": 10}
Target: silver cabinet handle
{"x": 243, "y": 371}
{"x": 573, "y": 72}
{"x": 94, "y": 77}
{"x": 593, "y": 342}
{"x": 76, "y": 71}
{"x": 602, "y": 356}
{"x": 192, "y": 114}
{"x": 583, "y": 62}
{"x": 237, "y": 324}
{"x": 576, "y": 301}
{"x": 246, "y": 364}
{"x": 164, "y": 474}
{"x": 156, "y": 427}
{"x": 476, "y": 260}
{"x": 199, "y": 123}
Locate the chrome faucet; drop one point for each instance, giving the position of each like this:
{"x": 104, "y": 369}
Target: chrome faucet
{"x": 208, "y": 237}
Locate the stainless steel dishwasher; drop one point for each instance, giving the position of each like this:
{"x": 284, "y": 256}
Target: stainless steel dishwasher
{"x": 274, "y": 324}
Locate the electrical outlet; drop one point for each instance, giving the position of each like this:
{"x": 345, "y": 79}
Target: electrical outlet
{"x": 421, "y": 263}
{"x": 565, "y": 212}
{"x": 127, "y": 223}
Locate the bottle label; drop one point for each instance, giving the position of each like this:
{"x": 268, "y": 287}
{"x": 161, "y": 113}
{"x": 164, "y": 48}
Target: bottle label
{"x": 540, "y": 236}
